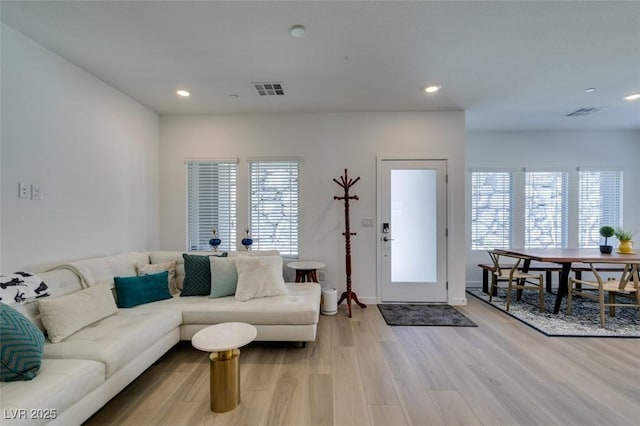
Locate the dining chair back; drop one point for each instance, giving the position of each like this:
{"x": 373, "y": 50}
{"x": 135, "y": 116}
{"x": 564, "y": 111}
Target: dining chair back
{"x": 628, "y": 286}
{"x": 507, "y": 269}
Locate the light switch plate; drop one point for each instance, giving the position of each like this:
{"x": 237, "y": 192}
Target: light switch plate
{"x": 36, "y": 192}
{"x": 24, "y": 190}
{"x": 367, "y": 222}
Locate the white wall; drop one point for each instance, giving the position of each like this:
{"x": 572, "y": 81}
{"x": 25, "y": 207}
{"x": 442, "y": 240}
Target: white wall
{"x": 94, "y": 151}
{"x": 565, "y": 149}
{"x": 327, "y": 143}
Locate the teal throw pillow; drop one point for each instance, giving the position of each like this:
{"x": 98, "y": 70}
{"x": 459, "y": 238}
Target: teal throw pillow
{"x": 21, "y": 344}
{"x": 197, "y": 275}
{"x": 134, "y": 291}
{"x": 224, "y": 276}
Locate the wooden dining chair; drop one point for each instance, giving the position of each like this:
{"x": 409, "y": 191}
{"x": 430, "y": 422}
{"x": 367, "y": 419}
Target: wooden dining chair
{"x": 627, "y": 285}
{"x": 509, "y": 272}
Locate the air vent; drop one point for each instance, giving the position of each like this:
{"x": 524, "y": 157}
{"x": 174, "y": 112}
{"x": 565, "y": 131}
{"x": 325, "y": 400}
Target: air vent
{"x": 583, "y": 111}
{"x": 268, "y": 89}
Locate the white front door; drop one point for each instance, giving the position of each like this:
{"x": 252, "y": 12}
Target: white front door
{"x": 412, "y": 230}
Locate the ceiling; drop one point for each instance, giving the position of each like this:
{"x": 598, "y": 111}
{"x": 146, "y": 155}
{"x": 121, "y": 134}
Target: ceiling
{"x": 509, "y": 65}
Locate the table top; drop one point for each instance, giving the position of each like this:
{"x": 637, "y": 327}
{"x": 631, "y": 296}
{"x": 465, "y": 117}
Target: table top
{"x": 224, "y": 337}
{"x": 306, "y": 266}
{"x": 571, "y": 255}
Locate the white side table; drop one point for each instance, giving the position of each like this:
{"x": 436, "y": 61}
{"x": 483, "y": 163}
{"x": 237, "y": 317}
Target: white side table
{"x": 306, "y": 271}
{"x": 223, "y": 340}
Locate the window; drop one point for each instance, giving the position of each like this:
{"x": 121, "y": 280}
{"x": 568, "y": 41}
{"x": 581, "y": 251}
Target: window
{"x": 273, "y": 205}
{"x": 546, "y": 209}
{"x": 211, "y": 203}
{"x": 599, "y": 203}
{"x": 491, "y": 210}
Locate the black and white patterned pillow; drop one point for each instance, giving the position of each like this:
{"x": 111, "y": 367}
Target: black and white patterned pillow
{"x": 21, "y": 287}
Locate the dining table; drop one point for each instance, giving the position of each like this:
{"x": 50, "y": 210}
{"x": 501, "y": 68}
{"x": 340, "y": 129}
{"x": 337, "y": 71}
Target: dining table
{"x": 566, "y": 257}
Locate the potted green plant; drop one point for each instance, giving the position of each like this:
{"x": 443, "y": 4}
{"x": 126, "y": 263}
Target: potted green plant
{"x": 624, "y": 237}
{"x": 606, "y": 231}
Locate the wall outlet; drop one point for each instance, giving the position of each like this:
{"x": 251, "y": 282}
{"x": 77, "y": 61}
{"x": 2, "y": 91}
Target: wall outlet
{"x": 322, "y": 276}
{"x": 36, "y": 192}
{"x": 24, "y": 190}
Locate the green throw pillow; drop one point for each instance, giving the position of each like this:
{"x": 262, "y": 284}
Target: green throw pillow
{"x": 197, "y": 275}
{"x": 224, "y": 276}
{"x": 134, "y": 291}
{"x": 21, "y": 344}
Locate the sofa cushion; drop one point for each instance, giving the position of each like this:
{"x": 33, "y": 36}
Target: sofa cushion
{"x": 65, "y": 315}
{"x": 118, "y": 339}
{"x": 155, "y": 268}
{"x": 197, "y": 275}
{"x": 101, "y": 270}
{"x": 138, "y": 290}
{"x": 254, "y": 253}
{"x": 224, "y": 276}
{"x": 301, "y": 306}
{"x": 21, "y": 348}
{"x": 59, "y": 384}
{"x": 259, "y": 276}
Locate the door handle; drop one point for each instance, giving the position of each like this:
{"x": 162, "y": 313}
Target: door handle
{"x": 387, "y": 239}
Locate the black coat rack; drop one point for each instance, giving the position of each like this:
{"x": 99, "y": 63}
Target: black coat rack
{"x": 347, "y": 183}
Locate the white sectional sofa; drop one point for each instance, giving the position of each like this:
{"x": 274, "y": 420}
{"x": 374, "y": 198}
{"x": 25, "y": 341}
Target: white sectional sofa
{"x": 84, "y": 371}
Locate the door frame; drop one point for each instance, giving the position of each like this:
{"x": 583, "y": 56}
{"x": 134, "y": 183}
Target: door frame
{"x": 379, "y": 160}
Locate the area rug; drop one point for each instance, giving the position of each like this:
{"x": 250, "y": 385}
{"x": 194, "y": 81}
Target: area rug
{"x": 584, "y": 320}
{"x": 424, "y": 315}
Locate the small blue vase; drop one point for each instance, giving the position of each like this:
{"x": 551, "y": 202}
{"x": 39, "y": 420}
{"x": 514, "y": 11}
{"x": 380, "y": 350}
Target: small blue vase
{"x": 246, "y": 242}
{"x": 215, "y": 242}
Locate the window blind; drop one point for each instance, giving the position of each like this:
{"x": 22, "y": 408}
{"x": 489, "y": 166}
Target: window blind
{"x": 491, "y": 210}
{"x": 545, "y": 209}
{"x": 273, "y": 205}
{"x": 599, "y": 203}
{"x": 211, "y": 203}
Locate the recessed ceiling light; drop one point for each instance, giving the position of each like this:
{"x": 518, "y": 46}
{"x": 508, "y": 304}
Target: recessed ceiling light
{"x": 234, "y": 96}
{"x": 298, "y": 31}
{"x": 183, "y": 93}
{"x": 590, "y": 89}
{"x": 432, "y": 89}
{"x": 632, "y": 97}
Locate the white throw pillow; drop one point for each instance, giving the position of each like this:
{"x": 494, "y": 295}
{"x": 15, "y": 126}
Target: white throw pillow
{"x": 63, "y": 316}
{"x": 259, "y": 276}
{"x": 154, "y": 268}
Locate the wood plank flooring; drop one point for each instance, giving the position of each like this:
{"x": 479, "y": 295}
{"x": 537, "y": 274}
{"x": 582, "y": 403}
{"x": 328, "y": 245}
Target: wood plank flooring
{"x": 362, "y": 372}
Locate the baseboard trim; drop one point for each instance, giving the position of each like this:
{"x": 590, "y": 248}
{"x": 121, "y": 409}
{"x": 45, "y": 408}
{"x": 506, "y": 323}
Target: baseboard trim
{"x": 365, "y": 300}
{"x": 374, "y": 301}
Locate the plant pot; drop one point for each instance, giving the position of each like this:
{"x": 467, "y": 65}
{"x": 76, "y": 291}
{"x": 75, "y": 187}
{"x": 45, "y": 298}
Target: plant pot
{"x": 625, "y": 246}
{"x": 606, "y": 249}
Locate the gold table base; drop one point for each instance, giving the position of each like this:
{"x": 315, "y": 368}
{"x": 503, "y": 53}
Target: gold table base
{"x": 225, "y": 380}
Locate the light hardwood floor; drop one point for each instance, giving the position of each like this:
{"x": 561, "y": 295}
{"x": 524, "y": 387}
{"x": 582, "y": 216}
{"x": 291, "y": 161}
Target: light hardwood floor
{"x": 362, "y": 372}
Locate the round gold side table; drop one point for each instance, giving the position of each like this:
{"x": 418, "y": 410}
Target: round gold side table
{"x": 223, "y": 340}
